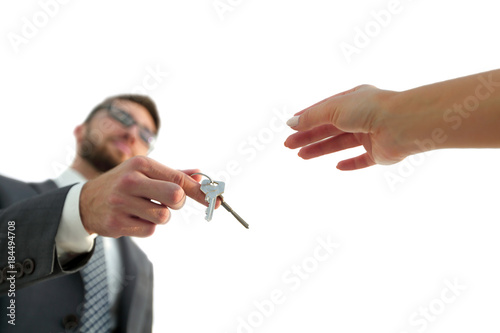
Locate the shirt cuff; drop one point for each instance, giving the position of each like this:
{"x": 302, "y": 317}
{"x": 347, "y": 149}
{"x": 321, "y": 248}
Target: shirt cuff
{"x": 72, "y": 239}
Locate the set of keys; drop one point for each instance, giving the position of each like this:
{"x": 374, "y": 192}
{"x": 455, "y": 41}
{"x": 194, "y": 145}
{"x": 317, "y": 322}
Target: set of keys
{"x": 212, "y": 190}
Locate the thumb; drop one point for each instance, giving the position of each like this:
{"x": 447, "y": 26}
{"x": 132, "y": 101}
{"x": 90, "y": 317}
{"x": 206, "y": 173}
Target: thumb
{"x": 190, "y": 173}
{"x": 321, "y": 113}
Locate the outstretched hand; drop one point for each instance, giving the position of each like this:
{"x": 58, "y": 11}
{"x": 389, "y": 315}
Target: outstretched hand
{"x": 346, "y": 120}
{"x": 118, "y": 203}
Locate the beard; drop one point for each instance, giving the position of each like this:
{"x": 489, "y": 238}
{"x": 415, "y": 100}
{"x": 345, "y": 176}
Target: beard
{"x": 94, "y": 150}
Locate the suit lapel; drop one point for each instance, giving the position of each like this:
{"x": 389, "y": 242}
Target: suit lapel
{"x": 46, "y": 186}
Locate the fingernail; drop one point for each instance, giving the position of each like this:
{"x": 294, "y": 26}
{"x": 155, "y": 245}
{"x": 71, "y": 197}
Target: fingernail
{"x": 294, "y": 121}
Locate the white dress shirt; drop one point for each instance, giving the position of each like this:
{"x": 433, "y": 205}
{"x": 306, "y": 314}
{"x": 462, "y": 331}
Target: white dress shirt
{"x": 72, "y": 238}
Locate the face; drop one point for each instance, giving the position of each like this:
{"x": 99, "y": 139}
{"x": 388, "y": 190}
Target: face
{"x": 105, "y": 142}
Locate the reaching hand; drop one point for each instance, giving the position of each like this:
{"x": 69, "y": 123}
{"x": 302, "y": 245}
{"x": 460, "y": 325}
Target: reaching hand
{"x": 346, "y": 120}
{"x": 458, "y": 113}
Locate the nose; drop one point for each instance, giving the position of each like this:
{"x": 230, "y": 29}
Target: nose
{"x": 131, "y": 134}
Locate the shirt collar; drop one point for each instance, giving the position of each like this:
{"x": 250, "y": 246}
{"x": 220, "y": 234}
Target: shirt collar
{"x": 69, "y": 177}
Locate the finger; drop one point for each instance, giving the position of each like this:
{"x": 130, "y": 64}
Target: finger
{"x": 198, "y": 178}
{"x": 328, "y": 146}
{"x": 189, "y": 172}
{"x": 356, "y": 163}
{"x": 301, "y": 139}
{"x": 323, "y": 112}
{"x": 132, "y": 226}
{"x": 324, "y": 100}
{"x": 148, "y": 211}
{"x": 314, "y": 105}
{"x": 158, "y": 171}
{"x": 140, "y": 186}
{"x": 168, "y": 194}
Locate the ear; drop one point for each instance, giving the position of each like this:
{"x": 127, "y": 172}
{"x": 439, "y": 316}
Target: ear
{"x": 79, "y": 132}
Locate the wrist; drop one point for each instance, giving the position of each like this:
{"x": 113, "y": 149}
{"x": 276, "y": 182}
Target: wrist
{"x": 83, "y": 206}
{"x": 416, "y": 120}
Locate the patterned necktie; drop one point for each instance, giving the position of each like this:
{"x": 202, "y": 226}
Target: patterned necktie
{"x": 96, "y": 309}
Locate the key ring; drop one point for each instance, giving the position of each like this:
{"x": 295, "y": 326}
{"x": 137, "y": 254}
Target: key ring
{"x": 211, "y": 199}
{"x": 199, "y": 173}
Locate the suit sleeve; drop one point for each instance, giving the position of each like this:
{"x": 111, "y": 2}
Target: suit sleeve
{"x": 27, "y": 240}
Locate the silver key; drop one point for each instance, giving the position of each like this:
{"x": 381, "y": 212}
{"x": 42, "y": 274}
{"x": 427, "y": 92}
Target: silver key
{"x": 212, "y": 190}
{"x": 229, "y": 209}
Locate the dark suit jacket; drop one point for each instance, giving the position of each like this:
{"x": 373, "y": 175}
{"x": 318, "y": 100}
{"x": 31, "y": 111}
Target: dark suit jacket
{"x": 48, "y": 297}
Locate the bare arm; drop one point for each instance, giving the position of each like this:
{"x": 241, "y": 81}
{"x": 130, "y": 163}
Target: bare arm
{"x": 459, "y": 113}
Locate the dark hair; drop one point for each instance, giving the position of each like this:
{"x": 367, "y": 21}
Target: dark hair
{"x": 143, "y": 100}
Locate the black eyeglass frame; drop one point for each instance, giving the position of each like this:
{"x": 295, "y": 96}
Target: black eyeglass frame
{"x": 127, "y": 120}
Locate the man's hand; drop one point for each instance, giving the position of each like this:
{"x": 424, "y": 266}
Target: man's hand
{"x": 118, "y": 203}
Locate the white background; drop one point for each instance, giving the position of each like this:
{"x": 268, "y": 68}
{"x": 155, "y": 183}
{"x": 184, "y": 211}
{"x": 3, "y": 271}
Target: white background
{"x": 229, "y": 75}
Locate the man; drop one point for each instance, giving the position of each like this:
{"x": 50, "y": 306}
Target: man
{"x": 58, "y": 274}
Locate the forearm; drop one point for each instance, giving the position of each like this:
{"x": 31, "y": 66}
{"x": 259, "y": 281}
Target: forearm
{"x": 459, "y": 113}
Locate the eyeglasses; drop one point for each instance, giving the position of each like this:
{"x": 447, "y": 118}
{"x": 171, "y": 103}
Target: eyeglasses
{"x": 126, "y": 119}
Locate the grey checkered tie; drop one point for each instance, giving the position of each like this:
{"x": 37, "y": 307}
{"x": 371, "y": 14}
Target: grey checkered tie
{"x": 96, "y": 310}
